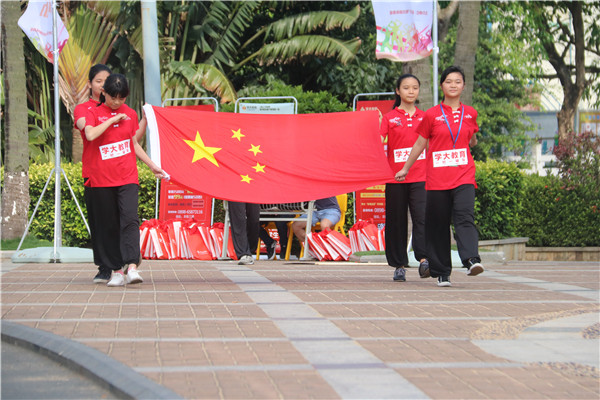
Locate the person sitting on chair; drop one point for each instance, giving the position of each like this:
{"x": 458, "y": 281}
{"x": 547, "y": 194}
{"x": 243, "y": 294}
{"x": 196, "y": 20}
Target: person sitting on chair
{"x": 327, "y": 212}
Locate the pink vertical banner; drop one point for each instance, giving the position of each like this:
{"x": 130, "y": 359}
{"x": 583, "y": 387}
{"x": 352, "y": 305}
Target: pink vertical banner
{"x": 403, "y": 29}
{"x": 37, "y": 23}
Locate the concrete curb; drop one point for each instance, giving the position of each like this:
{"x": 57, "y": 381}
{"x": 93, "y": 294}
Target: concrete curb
{"x": 116, "y": 376}
{"x": 489, "y": 257}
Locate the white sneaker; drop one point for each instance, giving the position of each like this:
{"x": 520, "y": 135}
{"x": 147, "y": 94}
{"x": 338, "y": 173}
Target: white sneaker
{"x": 117, "y": 279}
{"x": 246, "y": 260}
{"x": 133, "y": 276}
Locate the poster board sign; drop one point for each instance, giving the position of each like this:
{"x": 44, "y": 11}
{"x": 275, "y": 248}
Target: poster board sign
{"x": 370, "y": 202}
{"x": 589, "y": 121}
{"x": 266, "y": 108}
{"x": 177, "y": 202}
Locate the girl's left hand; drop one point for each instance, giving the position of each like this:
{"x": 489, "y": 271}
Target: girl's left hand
{"x": 161, "y": 174}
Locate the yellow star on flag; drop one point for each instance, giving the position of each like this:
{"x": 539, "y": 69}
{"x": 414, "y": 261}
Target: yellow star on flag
{"x": 259, "y": 168}
{"x": 246, "y": 178}
{"x": 238, "y": 134}
{"x": 201, "y": 151}
{"x": 255, "y": 149}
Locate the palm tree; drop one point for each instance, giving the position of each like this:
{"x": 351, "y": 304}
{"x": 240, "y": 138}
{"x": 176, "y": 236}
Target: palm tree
{"x": 15, "y": 192}
{"x": 213, "y": 37}
{"x": 92, "y": 36}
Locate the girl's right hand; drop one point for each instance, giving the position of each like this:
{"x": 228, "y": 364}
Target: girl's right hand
{"x": 401, "y": 175}
{"x": 119, "y": 117}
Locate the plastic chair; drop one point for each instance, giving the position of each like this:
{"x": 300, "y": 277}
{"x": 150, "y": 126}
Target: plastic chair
{"x": 343, "y": 203}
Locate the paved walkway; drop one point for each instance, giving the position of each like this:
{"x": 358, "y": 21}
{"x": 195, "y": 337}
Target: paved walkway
{"x": 210, "y": 330}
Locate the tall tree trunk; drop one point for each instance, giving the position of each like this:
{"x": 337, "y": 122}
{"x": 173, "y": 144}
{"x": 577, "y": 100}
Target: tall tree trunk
{"x": 572, "y": 91}
{"x": 77, "y": 146}
{"x": 422, "y": 70}
{"x": 15, "y": 193}
{"x": 466, "y": 44}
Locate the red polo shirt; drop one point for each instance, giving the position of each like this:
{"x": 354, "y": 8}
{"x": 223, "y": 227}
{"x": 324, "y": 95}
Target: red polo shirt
{"x": 401, "y": 131}
{"x": 80, "y": 112}
{"x": 449, "y": 161}
{"x": 113, "y": 161}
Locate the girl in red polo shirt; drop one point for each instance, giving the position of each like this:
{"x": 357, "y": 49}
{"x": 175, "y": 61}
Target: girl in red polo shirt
{"x": 111, "y": 130}
{"x": 450, "y": 128}
{"x": 97, "y": 75}
{"x": 400, "y": 126}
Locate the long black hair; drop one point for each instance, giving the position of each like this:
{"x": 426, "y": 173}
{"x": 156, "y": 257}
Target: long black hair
{"x": 398, "y": 100}
{"x": 95, "y": 70}
{"x": 115, "y": 86}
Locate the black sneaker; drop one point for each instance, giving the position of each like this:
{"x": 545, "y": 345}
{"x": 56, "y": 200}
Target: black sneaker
{"x": 475, "y": 267}
{"x": 271, "y": 250}
{"x": 444, "y": 281}
{"x": 102, "y": 276}
{"x": 424, "y": 269}
{"x": 400, "y": 274}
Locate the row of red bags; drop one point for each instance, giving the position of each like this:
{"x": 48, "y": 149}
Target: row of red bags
{"x": 365, "y": 236}
{"x": 178, "y": 239}
{"x": 332, "y": 245}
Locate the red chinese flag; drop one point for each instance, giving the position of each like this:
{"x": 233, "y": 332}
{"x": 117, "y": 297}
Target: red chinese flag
{"x": 259, "y": 158}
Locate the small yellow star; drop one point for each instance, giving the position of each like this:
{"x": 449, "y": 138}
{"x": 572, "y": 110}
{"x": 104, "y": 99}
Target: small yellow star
{"x": 246, "y": 178}
{"x": 255, "y": 149}
{"x": 238, "y": 134}
{"x": 259, "y": 168}
{"x": 201, "y": 151}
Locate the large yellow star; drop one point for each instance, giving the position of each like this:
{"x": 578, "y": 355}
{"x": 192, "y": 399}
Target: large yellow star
{"x": 259, "y": 168}
{"x": 238, "y": 134}
{"x": 246, "y": 178}
{"x": 201, "y": 151}
{"x": 255, "y": 149}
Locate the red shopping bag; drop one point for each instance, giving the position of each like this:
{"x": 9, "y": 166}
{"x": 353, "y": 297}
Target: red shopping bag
{"x": 316, "y": 247}
{"x": 340, "y": 242}
{"x": 333, "y": 254}
{"x": 217, "y": 232}
{"x": 197, "y": 246}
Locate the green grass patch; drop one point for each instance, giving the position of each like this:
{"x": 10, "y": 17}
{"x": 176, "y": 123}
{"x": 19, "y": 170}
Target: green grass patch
{"x": 30, "y": 242}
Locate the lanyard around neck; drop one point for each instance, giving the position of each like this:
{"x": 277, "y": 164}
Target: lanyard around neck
{"x": 462, "y": 114}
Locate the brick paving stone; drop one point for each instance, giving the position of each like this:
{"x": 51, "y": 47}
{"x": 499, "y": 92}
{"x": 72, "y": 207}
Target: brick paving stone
{"x": 190, "y": 327}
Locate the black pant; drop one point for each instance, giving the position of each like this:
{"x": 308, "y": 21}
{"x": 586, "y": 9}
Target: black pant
{"x": 245, "y": 219}
{"x": 282, "y": 230}
{"x": 115, "y": 226}
{"x": 443, "y": 207}
{"x": 399, "y": 197}
{"x": 89, "y": 197}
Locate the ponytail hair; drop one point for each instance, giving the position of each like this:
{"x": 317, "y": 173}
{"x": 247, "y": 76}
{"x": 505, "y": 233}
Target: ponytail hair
{"x": 398, "y": 100}
{"x": 115, "y": 86}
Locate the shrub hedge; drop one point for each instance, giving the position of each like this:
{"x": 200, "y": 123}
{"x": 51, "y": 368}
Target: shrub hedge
{"x": 508, "y": 203}
{"x": 74, "y": 232}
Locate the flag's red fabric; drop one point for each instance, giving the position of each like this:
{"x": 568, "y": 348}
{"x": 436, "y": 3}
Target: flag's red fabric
{"x": 258, "y": 158}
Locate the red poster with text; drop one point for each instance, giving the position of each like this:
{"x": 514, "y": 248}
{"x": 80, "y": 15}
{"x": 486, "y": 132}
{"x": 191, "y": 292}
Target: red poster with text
{"x": 180, "y": 203}
{"x": 370, "y": 202}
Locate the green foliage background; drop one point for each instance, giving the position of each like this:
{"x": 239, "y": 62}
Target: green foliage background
{"x": 74, "y": 232}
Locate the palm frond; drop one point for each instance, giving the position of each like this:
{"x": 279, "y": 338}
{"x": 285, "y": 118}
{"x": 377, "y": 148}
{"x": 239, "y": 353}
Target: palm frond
{"x": 203, "y": 76}
{"x": 309, "y": 22}
{"x": 231, "y": 27}
{"x": 286, "y": 51}
{"x": 91, "y": 40}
